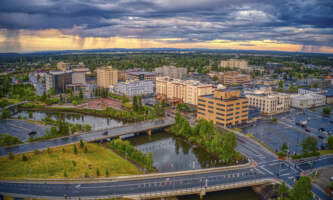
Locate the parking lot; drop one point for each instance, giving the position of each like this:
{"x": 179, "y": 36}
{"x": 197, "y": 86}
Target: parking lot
{"x": 20, "y": 128}
{"x": 286, "y": 130}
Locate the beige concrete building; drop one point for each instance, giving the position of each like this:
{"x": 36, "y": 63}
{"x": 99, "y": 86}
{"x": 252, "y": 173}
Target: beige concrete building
{"x": 63, "y": 66}
{"x": 233, "y": 78}
{"x": 225, "y": 108}
{"x": 107, "y": 76}
{"x": 79, "y": 75}
{"x": 176, "y": 90}
{"x": 235, "y": 63}
{"x": 267, "y": 101}
{"x": 308, "y": 100}
{"x": 171, "y": 71}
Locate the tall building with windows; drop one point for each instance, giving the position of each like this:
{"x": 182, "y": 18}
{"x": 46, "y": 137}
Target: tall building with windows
{"x": 134, "y": 88}
{"x": 235, "y": 63}
{"x": 58, "y": 80}
{"x": 267, "y": 101}
{"x": 107, "y": 76}
{"x": 176, "y": 90}
{"x": 233, "y": 78}
{"x": 63, "y": 66}
{"x": 225, "y": 108}
{"x": 79, "y": 75}
{"x": 171, "y": 71}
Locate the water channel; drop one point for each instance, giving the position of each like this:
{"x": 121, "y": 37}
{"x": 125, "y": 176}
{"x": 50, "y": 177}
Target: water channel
{"x": 170, "y": 153}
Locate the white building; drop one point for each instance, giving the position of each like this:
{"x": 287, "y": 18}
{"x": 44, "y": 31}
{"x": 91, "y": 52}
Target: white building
{"x": 134, "y": 88}
{"x": 79, "y": 75}
{"x": 267, "y": 101}
{"x": 311, "y": 91}
{"x": 308, "y": 100}
{"x": 171, "y": 71}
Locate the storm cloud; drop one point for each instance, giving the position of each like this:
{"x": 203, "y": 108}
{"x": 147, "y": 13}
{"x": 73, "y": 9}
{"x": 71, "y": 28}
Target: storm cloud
{"x": 303, "y": 22}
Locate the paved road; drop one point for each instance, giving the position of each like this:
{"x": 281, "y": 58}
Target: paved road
{"x": 90, "y": 136}
{"x": 268, "y": 167}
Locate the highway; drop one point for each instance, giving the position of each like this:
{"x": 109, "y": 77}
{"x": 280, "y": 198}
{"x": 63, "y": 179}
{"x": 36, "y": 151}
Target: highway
{"x": 89, "y": 136}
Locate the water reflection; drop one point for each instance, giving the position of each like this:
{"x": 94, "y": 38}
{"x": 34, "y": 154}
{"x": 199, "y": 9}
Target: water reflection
{"x": 96, "y": 123}
{"x": 173, "y": 153}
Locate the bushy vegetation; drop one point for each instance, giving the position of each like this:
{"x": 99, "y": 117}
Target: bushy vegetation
{"x": 183, "y": 107}
{"x": 205, "y": 134}
{"x": 126, "y": 149}
{"x": 309, "y": 148}
{"x": 6, "y": 140}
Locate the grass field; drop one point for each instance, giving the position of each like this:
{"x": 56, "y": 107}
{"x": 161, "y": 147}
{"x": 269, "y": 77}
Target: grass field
{"x": 54, "y": 164}
{"x": 325, "y": 152}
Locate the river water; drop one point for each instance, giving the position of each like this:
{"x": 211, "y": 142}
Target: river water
{"x": 96, "y": 123}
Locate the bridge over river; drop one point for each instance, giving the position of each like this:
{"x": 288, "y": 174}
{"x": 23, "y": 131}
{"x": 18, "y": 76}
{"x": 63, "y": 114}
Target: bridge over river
{"x": 263, "y": 167}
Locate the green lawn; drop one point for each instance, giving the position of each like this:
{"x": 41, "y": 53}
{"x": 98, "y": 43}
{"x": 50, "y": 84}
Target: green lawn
{"x": 325, "y": 152}
{"x": 44, "y": 165}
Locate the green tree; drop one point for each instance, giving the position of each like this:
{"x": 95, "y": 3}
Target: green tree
{"x": 149, "y": 161}
{"x": 81, "y": 144}
{"x": 65, "y": 174}
{"x": 329, "y": 142}
{"x": 97, "y": 172}
{"x": 309, "y": 146}
{"x": 302, "y": 189}
{"x": 48, "y": 150}
{"x": 5, "y": 113}
{"x": 228, "y": 146}
{"x": 284, "y": 149}
{"x": 74, "y": 149}
{"x": 81, "y": 94}
{"x": 326, "y": 111}
{"x": 11, "y": 155}
{"x": 283, "y": 191}
{"x": 107, "y": 172}
{"x": 85, "y": 149}
{"x": 24, "y": 157}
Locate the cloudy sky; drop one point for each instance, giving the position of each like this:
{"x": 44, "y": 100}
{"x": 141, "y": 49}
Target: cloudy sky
{"x": 284, "y": 25}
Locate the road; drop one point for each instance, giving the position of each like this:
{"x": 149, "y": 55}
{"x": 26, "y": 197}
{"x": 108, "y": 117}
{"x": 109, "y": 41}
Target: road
{"x": 268, "y": 166}
{"x": 88, "y": 137}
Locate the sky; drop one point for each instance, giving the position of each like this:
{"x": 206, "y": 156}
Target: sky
{"x": 278, "y": 25}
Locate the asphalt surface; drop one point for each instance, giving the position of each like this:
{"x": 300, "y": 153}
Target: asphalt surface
{"x": 88, "y": 137}
{"x": 267, "y": 166}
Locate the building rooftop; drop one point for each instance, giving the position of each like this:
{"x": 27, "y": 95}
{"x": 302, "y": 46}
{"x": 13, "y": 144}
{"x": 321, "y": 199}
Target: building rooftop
{"x": 137, "y": 73}
{"x": 60, "y": 72}
{"x": 81, "y": 69}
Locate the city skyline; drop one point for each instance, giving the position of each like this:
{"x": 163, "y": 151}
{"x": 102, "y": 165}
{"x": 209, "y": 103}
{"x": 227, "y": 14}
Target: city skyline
{"x": 41, "y": 25}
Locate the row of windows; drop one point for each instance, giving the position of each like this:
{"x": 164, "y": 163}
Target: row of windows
{"x": 202, "y": 100}
{"x": 220, "y": 118}
{"x": 201, "y": 113}
{"x": 220, "y": 114}
{"x": 210, "y": 111}
{"x": 220, "y": 104}
{"x": 220, "y": 109}
{"x": 211, "y": 102}
{"x": 202, "y": 109}
{"x": 210, "y": 107}
{"x": 203, "y": 105}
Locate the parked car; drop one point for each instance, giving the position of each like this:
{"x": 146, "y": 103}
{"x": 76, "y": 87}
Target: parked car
{"x": 321, "y": 129}
{"x": 320, "y": 137}
{"x": 307, "y": 130}
{"x": 105, "y": 133}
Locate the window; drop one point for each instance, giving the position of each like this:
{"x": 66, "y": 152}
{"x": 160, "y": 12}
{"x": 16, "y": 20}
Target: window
{"x": 244, "y": 111}
{"x": 201, "y": 113}
{"x": 220, "y": 124}
{"x": 220, "y": 114}
{"x": 220, "y": 104}
{"x": 231, "y": 109}
{"x": 245, "y": 107}
{"x": 203, "y": 105}
{"x": 244, "y": 102}
{"x": 202, "y": 109}
{"x": 210, "y": 111}
{"x": 230, "y": 105}
{"x": 220, "y": 118}
{"x": 244, "y": 115}
{"x": 220, "y": 109}
{"x": 230, "y": 114}
{"x": 237, "y": 113}
{"x": 210, "y": 107}
{"x": 237, "y": 103}
{"x": 229, "y": 119}
{"x": 202, "y": 100}
{"x": 237, "y": 108}
{"x": 237, "y": 117}
{"x": 210, "y": 102}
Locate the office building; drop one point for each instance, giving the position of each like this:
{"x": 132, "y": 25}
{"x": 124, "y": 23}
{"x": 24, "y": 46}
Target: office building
{"x": 134, "y": 88}
{"x": 267, "y": 101}
{"x": 225, "y": 108}
{"x": 79, "y": 75}
{"x": 233, "y": 78}
{"x": 63, "y": 66}
{"x": 107, "y": 76}
{"x": 58, "y": 80}
{"x": 171, "y": 71}
{"x": 309, "y": 100}
{"x": 235, "y": 63}
{"x": 141, "y": 76}
{"x": 180, "y": 91}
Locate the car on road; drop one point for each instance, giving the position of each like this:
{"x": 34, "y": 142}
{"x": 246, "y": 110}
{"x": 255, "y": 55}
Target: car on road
{"x": 32, "y": 133}
{"x": 307, "y": 130}
{"x": 320, "y": 137}
{"x": 321, "y": 129}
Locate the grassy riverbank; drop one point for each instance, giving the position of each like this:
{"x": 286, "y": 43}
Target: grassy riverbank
{"x": 62, "y": 162}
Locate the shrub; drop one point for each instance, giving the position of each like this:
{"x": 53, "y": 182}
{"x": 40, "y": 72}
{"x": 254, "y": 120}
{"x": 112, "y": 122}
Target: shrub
{"x": 24, "y": 157}
{"x": 85, "y": 149}
{"x": 74, "y": 149}
{"x": 65, "y": 173}
{"x": 81, "y": 144}
{"x": 97, "y": 172}
{"x": 86, "y": 175}
{"x": 74, "y": 163}
{"x": 48, "y": 150}
{"x": 107, "y": 172}
{"x": 36, "y": 151}
{"x": 11, "y": 155}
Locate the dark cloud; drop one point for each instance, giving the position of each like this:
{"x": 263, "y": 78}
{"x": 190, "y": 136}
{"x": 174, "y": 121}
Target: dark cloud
{"x": 305, "y": 22}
